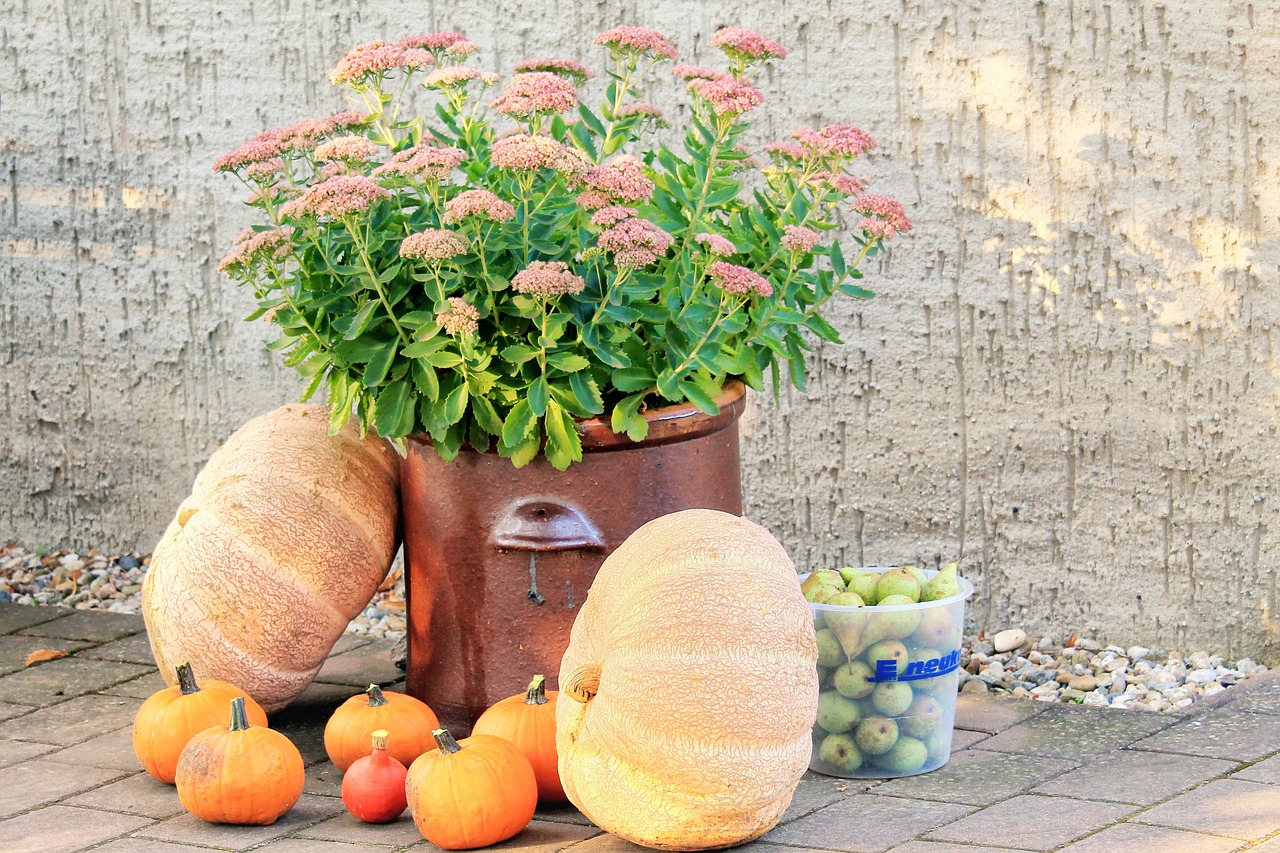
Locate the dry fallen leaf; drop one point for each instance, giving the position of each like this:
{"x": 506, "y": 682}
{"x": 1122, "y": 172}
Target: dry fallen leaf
{"x": 42, "y": 655}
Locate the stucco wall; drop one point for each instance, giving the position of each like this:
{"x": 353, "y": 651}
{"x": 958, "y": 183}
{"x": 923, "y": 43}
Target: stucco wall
{"x": 1069, "y": 374}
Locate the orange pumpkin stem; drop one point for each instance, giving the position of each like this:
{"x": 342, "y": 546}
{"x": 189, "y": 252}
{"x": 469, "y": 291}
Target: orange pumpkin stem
{"x": 537, "y": 692}
{"x": 375, "y": 696}
{"x": 445, "y": 741}
{"x": 239, "y": 720}
{"x": 380, "y": 739}
{"x": 187, "y": 680}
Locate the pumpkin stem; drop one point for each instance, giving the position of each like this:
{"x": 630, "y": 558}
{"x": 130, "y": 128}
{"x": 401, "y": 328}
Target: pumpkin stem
{"x": 375, "y": 696}
{"x": 537, "y": 692}
{"x": 582, "y": 683}
{"x": 239, "y": 720}
{"x": 380, "y": 739}
{"x": 445, "y": 741}
{"x": 187, "y": 680}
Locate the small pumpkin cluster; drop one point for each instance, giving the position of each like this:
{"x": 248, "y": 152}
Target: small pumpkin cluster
{"x": 462, "y": 794}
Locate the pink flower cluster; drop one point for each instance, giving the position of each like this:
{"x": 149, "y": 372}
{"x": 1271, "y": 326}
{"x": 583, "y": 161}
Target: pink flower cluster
{"x": 450, "y": 75}
{"x": 535, "y": 92}
{"x": 461, "y": 319}
{"x": 462, "y": 49}
{"x": 697, "y": 72}
{"x": 299, "y": 136}
{"x": 622, "y": 178}
{"x": 727, "y": 96}
{"x": 628, "y": 39}
{"x": 376, "y": 58}
{"x": 432, "y": 164}
{"x": 611, "y": 215}
{"x": 634, "y": 242}
{"x": 835, "y": 140}
{"x": 356, "y": 149}
{"x": 547, "y": 279}
{"x": 264, "y": 170}
{"x": 253, "y": 247}
{"x": 883, "y": 217}
{"x": 525, "y": 151}
{"x": 476, "y": 203}
{"x": 715, "y": 244}
{"x": 432, "y": 41}
{"x": 791, "y": 151}
{"x": 747, "y": 44}
{"x": 338, "y": 196}
{"x": 639, "y": 108}
{"x": 571, "y": 70}
{"x": 797, "y": 238}
{"x": 433, "y": 244}
{"x": 737, "y": 279}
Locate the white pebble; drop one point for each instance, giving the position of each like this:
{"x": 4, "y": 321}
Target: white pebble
{"x": 1009, "y": 640}
{"x": 1202, "y": 676}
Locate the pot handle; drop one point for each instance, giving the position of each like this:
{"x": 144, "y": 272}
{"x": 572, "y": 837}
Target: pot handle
{"x": 543, "y": 524}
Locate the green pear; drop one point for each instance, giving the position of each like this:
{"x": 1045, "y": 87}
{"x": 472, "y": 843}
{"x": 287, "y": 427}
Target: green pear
{"x": 943, "y": 585}
{"x": 847, "y": 624}
{"x": 829, "y": 651}
{"x": 824, "y": 675}
{"x": 939, "y": 745}
{"x": 862, "y": 582}
{"x": 917, "y": 573}
{"x": 887, "y": 650}
{"x": 921, "y": 717}
{"x": 935, "y": 627}
{"x": 906, "y": 756}
{"x": 924, "y": 655}
{"x": 897, "y": 582}
{"x": 840, "y": 752}
{"x": 876, "y": 735}
{"x": 827, "y": 577}
{"x": 851, "y": 679}
{"x": 837, "y": 713}
{"x": 891, "y": 698}
{"x": 889, "y": 625}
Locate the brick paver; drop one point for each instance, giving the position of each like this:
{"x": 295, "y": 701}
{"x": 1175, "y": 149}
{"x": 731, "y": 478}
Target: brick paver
{"x": 1024, "y": 776}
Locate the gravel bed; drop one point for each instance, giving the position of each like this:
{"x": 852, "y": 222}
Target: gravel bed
{"x": 1078, "y": 670}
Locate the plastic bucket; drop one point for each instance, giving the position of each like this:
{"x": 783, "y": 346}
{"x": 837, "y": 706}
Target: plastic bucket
{"x": 888, "y": 678}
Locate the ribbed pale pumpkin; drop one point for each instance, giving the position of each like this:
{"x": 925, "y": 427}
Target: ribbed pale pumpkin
{"x": 689, "y": 689}
{"x": 284, "y": 539}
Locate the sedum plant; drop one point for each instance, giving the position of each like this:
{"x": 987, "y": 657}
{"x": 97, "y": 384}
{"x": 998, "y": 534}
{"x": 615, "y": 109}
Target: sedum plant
{"x": 518, "y": 260}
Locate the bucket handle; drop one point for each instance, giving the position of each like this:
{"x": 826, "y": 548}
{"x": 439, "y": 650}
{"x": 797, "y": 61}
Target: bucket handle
{"x": 544, "y": 524}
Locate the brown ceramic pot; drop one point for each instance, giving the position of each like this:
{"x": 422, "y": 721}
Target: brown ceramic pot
{"x": 498, "y": 559}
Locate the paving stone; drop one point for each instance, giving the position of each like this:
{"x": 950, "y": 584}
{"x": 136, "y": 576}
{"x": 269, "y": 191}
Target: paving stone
{"x": 38, "y": 781}
{"x": 1248, "y": 810}
{"x": 867, "y": 823}
{"x": 1262, "y": 703}
{"x": 562, "y": 813}
{"x": 368, "y": 664}
{"x": 111, "y": 750}
{"x": 1032, "y": 822}
{"x": 978, "y": 778}
{"x": 1228, "y": 733}
{"x": 993, "y": 715}
{"x": 15, "y": 751}
{"x": 305, "y": 728}
{"x": 323, "y": 779}
{"x": 348, "y": 642}
{"x": 322, "y": 698}
{"x": 138, "y": 794}
{"x": 8, "y": 711}
{"x": 14, "y": 649}
{"x": 90, "y": 625}
{"x": 311, "y": 845}
{"x": 1271, "y": 846}
{"x": 1069, "y": 732}
{"x": 59, "y": 680}
{"x": 73, "y": 721}
{"x": 135, "y": 649}
{"x": 1132, "y": 776}
{"x": 138, "y": 688}
{"x": 401, "y": 832}
{"x": 945, "y": 847}
{"x": 189, "y": 828}
{"x": 816, "y": 791}
{"x": 1133, "y": 836}
{"x": 16, "y": 617}
{"x": 1264, "y": 771}
{"x": 133, "y": 844}
{"x": 962, "y": 739}
{"x": 59, "y": 829}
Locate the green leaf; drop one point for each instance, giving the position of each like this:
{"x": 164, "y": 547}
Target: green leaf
{"x": 590, "y": 120}
{"x": 564, "y": 445}
{"x": 421, "y": 348}
{"x": 358, "y": 324}
{"x": 633, "y": 378}
{"x": 722, "y": 195}
{"x": 520, "y": 420}
{"x": 855, "y": 291}
{"x": 485, "y": 415}
{"x": 568, "y": 362}
{"x": 518, "y": 353}
{"x": 539, "y": 394}
{"x": 389, "y": 412}
{"x": 699, "y": 397}
{"x": 424, "y": 379}
{"x": 342, "y": 392}
{"x": 443, "y": 359}
{"x": 823, "y": 329}
{"x": 376, "y": 370}
{"x": 455, "y": 405}
{"x": 524, "y": 452}
{"x": 588, "y": 392}
{"x": 837, "y": 260}
{"x": 627, "y": 418}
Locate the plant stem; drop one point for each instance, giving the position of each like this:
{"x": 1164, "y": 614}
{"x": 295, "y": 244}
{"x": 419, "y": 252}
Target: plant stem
{"x": 363, "y": 248}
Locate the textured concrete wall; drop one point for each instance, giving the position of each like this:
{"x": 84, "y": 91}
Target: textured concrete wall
{"x": 1069, "y": 375}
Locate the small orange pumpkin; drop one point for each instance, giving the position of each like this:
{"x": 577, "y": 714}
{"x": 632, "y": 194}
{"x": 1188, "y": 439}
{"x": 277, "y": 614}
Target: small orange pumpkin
{"x": 409, "y": 722}
{"x": 528, "y": 720}
{"x": 471, "y": 793}
{"x": 239, "y": 774}
{"x": 170, "y": 717}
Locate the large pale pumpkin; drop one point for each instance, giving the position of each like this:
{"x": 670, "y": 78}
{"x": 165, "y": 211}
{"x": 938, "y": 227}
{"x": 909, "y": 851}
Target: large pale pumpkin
{"x": 285, "y": 537}
{"x": 689, "y": 689}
